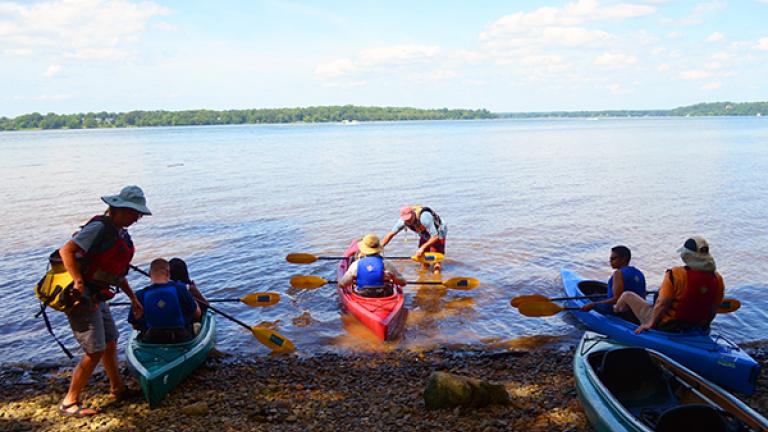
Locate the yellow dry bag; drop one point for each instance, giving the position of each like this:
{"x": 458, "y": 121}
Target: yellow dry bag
{"x": 55, "y": 289}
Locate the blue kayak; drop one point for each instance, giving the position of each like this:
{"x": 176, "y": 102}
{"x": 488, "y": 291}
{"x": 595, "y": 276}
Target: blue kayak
{"x": 710, "y": 355}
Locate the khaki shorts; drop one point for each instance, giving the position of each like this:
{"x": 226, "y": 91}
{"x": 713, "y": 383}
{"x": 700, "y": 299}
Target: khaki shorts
{"x": 93, "y": 328}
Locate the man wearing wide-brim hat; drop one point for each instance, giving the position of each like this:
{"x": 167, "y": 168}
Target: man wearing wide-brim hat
{"x": 688, "y": 297}
{"x": 372, "y": 275}
{"x": 98, "y": 258}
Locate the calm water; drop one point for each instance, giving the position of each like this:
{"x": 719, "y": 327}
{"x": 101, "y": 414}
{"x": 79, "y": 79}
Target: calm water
{"x": 522, "y": 199}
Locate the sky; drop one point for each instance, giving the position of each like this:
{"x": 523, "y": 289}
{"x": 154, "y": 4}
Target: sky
{"x": 69, "y": 56}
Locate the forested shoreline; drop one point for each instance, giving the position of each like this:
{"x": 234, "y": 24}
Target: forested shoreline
{"x": 322, "y": 114}
{"x": 345, "y": 113}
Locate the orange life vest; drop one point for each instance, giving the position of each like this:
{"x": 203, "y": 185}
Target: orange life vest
{"x": 695, "y": 302}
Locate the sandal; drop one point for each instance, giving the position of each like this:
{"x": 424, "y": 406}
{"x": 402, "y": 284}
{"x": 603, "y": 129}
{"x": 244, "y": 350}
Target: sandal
{"x": 79, "y": 413}
{"x": 125, "y": 394}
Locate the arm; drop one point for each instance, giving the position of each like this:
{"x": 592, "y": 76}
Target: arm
{"x": 618, "y": 289}
{"x": 391, "y": 273}
{"x": 68, "y": 257}
{"x": 136, "y": 306}
{"x": 350, "y": 275}
{"x": 387, "y": 238}
{"x": 196, "y": 292}
{"x": 432, "y": 240}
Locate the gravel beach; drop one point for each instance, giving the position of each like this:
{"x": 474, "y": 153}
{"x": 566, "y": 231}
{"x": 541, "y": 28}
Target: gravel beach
{"x": 326, "y": 392}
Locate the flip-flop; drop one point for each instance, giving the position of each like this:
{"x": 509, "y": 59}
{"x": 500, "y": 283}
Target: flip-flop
{"x": 63, "y": 410}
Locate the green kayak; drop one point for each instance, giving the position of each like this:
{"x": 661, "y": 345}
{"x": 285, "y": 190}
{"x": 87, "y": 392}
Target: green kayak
{"x": 625, "y": 388}
{"x": 159, "y": 368}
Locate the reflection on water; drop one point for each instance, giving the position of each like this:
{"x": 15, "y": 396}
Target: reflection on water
{"x": 523, "y": 198}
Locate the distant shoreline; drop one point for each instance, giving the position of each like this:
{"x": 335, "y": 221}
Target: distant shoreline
{"x": 346, "y": 114}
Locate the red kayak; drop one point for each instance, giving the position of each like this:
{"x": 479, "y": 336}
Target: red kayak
{"x": 384, "y": 316}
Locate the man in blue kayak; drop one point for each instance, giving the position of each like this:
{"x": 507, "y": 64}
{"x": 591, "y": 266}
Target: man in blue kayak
{"x": 688, "y": 297}
{"x": 427, "y": 224}
{"x": 169, "y": 308}
{"x": 372, "y": 275}
{"x": 625, "y": 278}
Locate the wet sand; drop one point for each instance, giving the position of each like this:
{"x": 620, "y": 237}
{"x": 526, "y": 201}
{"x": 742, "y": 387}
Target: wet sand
{"x": 327, "y": 392}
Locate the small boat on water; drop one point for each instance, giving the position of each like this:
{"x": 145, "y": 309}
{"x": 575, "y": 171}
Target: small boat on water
{"x": 711, "y": 355}
{"x": 625, "y": 388}
{"x": 159, "y": 368}
{"x": 384, "y": 316}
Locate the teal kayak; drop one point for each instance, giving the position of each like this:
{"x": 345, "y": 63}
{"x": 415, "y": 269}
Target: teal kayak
{"x": 711, "y": 355}
{"x": 626, "y": 388}
{"x": 159, "y": 368}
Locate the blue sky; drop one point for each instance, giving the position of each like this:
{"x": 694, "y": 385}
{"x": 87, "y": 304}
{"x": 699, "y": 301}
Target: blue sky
{"x": 117, "y": 55}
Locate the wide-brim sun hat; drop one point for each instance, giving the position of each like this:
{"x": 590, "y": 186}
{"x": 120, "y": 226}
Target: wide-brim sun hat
{"x": 131, "y": 197}
{"x": 369, "y": 245}
{"x": 695, "y": 254}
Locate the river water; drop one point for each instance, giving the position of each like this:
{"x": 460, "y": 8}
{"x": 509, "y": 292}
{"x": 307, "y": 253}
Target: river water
{"x": 522, "y": 199}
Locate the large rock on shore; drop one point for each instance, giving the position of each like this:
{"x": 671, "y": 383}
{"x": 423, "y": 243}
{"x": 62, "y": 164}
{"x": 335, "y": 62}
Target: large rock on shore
{"x": 445, "y": 390}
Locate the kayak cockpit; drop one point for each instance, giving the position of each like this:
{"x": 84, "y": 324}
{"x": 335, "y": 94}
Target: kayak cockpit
{"x": 663, "y": 396}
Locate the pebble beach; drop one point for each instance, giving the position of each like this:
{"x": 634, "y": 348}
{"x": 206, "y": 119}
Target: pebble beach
{"x": 326, "y": 392}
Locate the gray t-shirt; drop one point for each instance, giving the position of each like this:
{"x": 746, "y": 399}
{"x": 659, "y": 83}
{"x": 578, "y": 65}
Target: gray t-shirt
{"x": 88, "y": 234}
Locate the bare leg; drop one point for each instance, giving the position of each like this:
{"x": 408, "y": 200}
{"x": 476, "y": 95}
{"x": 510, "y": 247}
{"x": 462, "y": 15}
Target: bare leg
{"x": 80, "y": 376}
{"x": 109, "y": 361}
{"x": 631, "y": 301}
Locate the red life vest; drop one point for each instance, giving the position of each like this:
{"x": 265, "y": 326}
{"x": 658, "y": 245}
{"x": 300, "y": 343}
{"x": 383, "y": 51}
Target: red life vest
{"x": 107, "y": 261}
{"x": 695, "y": 303}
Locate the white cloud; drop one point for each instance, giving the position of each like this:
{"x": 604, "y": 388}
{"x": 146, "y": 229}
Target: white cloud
{"x": 437, "y": 75}
{"x": 694, "y": 74}
{"x": 762, "y": 44}
{"x": 720, "y": 56}
{"x": 711, "y": 85}
{"x": 663, "y": 67}
{"x": 699, "y": 12}
{"x": 715, "y": 37}
{"x": 380, "y": 60}
{"x": 615, "y": 59}
{"x": 52, "y": 71}
{"x": 674, "y": 35}
{"x": 82, "y": 29}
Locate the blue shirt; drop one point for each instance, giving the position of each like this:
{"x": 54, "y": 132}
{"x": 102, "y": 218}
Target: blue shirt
{"x": 186, "y": 301}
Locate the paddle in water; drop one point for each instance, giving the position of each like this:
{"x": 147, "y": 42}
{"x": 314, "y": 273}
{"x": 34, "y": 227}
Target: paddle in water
{"x": 305, "y": 258}
{"x": 517, "y": 301}
{"x": 538, "y": 309}
{"x": 458, "y": 283}
{"x": 269, "y": 338}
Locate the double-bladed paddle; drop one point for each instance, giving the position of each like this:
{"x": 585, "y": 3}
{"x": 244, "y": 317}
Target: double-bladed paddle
{"x": 517, "y": 301}
{"x": 305, "y": 258}
{"x": 538, "y": 309}
{"x": 458, "y": 283}
{"x": 269, "y": 338}
{"x": 256, "y": 299}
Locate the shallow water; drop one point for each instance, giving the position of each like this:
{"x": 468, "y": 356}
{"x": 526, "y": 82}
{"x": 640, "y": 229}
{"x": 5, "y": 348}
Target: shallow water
{"x": 522, "y": 198}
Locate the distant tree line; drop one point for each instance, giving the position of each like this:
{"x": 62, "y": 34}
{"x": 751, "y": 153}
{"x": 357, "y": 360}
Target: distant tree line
{"x": 250, "y": 116}
{"x": 702, "y": 109}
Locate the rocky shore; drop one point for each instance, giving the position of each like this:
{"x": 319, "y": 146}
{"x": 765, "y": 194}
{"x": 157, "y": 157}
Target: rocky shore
{"x": 326, "y": 392}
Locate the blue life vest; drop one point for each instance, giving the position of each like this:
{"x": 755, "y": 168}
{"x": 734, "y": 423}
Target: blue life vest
{"x": 370, "y": 272}
{"x": 633, "y": 281}
{"x": 162, "y": 308}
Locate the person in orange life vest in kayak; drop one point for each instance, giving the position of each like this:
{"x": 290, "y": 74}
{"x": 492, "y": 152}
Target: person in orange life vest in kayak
{"x": 372, "y": 275}
{"x": 97, "y": 258}
{"x": 169, "y": 308}
{"x": 427, "y": 224}
{"x": 624, "y": 278}
{"x": 688, "y": 297}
